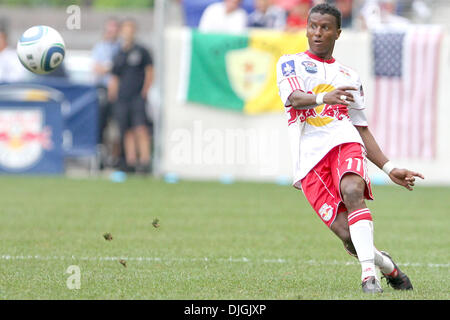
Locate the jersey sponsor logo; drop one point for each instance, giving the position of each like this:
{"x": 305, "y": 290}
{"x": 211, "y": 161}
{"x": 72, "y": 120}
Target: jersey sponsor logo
{"x": 326, "y": 212}
{"x": 22, "y": 138}
{"x": 321, "y": 115}
{"x": 288, "y": 68}
{"x": 310, "y": 66}
{"x": 248, "y": 70}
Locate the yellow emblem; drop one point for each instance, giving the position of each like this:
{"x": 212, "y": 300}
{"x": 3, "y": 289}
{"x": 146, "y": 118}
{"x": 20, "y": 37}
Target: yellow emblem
{"x": 319, "y": 120}
{"x": 248, "y": 70}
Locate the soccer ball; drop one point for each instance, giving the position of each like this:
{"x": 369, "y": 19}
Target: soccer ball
{"x": 41, "y": 49}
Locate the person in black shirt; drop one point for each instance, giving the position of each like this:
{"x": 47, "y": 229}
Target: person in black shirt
{"x": 132, "y": 74}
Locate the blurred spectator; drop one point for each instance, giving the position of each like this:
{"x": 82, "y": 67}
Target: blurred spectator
{"x": 193, "y": 9}
{"x": 298, "y": 15}
{"x": 375, "y": 13}
{"x": 132, "y": 75}
{"x": 225, "y": 16}
{"x": 11, "y": 69}
{"x": 422, "y": 11}
{"x": 266, "y": 15}
{"x": 105, "y": 50}
{"x": 346, "y": 9}
{"x": 102, "y": 55}
{"x": 388, "y": 13}
{"x": 369, "y": 15}
{"x": 286, "y": 4}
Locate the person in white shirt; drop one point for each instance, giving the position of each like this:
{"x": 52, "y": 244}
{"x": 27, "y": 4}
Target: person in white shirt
{"x": 377, "y": 13}
{"x": 10, "y": 68}
{"x": 331, "y": 143}
{"x": 103, "y": 55}
{"x": 226, "y": 16}
{"x": 267, "y": 15}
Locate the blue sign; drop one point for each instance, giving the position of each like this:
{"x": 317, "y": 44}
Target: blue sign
{"x": 31, "y": 137}
{"x": 41, "y": 122}
{"x": 79, "y": 107}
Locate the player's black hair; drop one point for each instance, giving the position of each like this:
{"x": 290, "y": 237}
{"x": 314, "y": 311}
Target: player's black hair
{"x": 325, "y": 8}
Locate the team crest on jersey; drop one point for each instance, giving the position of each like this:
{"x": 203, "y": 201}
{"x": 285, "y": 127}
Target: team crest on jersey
{"x": 326, "y": 212}
{"x": 23, "y": 138}
{"x": 288, "y": 68}
{"x": 310, "y": 66}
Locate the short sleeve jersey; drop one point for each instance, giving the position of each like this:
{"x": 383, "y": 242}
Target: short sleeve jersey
{"x": 314, "y": 132}
{"x": 103, "y": 53}
{"x": 130, "y": 66}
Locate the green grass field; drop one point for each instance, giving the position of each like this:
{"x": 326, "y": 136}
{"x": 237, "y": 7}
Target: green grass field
{"x": 214, "y": 241}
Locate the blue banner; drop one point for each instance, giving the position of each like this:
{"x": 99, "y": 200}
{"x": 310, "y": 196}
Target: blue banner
{"x": 31, "y": 137}
{"x": 80, "y": 116}
{"x": 77, "y": 131}
{"x": 79, "y": 108}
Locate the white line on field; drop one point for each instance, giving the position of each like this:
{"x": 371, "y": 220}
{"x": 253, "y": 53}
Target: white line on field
{"x": 206, "y": 259}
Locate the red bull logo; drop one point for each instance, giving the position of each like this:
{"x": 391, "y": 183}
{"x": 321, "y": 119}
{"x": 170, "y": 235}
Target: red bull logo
{"x": 321, "y": 115}
{"x": 326, "y": 212}
{"x": 23, "y": 138}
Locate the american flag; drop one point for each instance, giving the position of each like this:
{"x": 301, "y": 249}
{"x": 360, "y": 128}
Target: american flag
{"x": 406, "y": 69}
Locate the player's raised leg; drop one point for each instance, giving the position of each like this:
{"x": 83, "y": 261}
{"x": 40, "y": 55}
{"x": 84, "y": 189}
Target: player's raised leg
{"x": 396, "y": 278}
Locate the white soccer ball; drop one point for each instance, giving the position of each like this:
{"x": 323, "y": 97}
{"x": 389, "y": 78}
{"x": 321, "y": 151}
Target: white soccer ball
{"x": 41, "y": 49}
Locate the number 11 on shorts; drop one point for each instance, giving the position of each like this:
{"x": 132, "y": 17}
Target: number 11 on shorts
{"x": 350, "y": 161}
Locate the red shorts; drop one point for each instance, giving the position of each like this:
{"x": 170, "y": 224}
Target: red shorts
{"x": 321, "y": 184}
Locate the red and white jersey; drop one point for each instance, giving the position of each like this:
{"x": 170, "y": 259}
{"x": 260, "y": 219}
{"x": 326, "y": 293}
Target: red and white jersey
{"x": 314, "y": 132}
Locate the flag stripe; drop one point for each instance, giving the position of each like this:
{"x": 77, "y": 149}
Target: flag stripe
{"x": 399, "y": 109}
{"x": 409, "y": 67}
{"x": 393, "y": 118}
{"x": 425, "y": 140}
{"x": 413, "y": 125}
{"x": 437, "y": 51}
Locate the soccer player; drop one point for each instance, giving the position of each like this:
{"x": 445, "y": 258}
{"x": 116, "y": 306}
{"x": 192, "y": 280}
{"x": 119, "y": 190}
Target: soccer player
{"x": 331, "y": 142}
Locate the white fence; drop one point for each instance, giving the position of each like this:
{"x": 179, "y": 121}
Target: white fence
{"x": 202, "y": 142}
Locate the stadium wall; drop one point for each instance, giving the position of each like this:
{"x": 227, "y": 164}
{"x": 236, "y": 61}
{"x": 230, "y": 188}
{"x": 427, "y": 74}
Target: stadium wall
{"x": 206, "y": 143}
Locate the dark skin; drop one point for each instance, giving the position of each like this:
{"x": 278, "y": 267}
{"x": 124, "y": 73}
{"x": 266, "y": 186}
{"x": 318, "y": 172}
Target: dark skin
{"x": 322, "y": 33}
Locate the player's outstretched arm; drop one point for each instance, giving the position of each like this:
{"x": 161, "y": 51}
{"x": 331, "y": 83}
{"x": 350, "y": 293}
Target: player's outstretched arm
{"x": 301, "y": 100}
{"x": 403, "y": 177}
